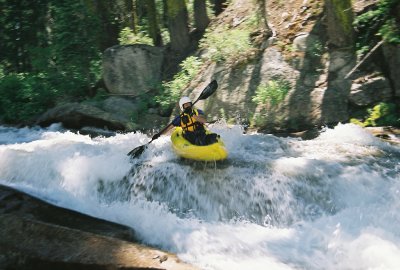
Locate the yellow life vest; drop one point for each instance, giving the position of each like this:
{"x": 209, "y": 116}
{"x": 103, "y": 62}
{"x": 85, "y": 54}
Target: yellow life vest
{"x": 188, "y": 123}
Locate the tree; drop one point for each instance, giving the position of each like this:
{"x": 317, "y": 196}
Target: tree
{"x": 106, "y": 12}
{"x": 219, "y": 6}
{"x": 178, "y": 25}
{"x": 201, "y": 19}
{"x": 22, "y": 29}
{"x": 339, "y": 14}
{"x": 154, "y": 29}
{"x": 129, "y": 18}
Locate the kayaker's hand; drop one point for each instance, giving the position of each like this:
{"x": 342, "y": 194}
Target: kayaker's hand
{"x": 155, "y": 136}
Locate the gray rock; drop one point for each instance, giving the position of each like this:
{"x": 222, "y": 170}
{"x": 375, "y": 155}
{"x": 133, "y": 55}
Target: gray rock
{"x": 78, "y": 115}
{"x": 132, "y": 69}
{"x": 392, "y": 57}
{"x": 369, "y": 91}
{"x": 120, "y": 106}
{"x": 300, "y": 43}
{"x": 23, "y": 205}
{"x": 274, "y": 66}
{"x": 36, "y": 235}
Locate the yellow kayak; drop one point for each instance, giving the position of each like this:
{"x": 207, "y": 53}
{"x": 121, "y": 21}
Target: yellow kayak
{"x": 185, "y": 149}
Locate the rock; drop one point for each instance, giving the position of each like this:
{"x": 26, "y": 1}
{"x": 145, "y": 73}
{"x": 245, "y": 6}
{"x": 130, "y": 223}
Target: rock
{"x": 334, "y": 105}
{"x": 149, "y": 121}
{"x": 392, "y": 57}
{"x": 367, "y": 91}
{"x": 23, "y": 205}
{"x": 30, "y": 244}
{"x": 132, "y": 69}
{"x": 120, "y": 106}
{"x": 112, "y": 114}
{"x": 341, "y": 62}
{"x": 36, "y": 235}
{"x": 387, "y": 133}
{"x": 78, "y": 115}
{"x": 304, "y": 41}
{"x": 274, "y": 66}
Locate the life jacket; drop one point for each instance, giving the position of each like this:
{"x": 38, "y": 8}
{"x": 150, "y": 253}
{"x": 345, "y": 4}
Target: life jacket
{"x": 188, "y": 123}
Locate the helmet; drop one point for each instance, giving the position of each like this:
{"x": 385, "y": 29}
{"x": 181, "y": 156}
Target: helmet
{"x": 182, "y": 101}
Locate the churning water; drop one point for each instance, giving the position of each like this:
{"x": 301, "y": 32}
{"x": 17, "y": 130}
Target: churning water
{"x": 276, "y": 203}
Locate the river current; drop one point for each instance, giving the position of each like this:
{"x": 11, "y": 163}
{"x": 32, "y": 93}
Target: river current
{"x": 277, "y": 203}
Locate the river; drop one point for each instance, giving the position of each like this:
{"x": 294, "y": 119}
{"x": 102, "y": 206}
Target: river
{"x": 277, "y": 203}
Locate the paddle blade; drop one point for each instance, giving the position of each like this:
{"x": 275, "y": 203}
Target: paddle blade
{"x": 209, "y": 90}
{"x": 137, "y": 151}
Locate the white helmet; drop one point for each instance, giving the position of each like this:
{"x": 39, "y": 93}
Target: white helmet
{"x": 182, "y": 101}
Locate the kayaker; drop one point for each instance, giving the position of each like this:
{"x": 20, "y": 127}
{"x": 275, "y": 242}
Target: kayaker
{"x": 192, "y": 121}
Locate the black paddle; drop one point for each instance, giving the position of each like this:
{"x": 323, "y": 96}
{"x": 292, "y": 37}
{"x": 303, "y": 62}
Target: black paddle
{"x": 208, "y": 91}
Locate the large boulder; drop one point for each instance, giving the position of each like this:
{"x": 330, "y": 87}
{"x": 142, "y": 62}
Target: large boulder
{"x": 113, "y": 114}
{"x": 367, "y": 91}
{"x": 23, "y": 205}
{"x": 36, "y": 235}
{"x": 132, "y": 69}
{"x": 77, "y": 115}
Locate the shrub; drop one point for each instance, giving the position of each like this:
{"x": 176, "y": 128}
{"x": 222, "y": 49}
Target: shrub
{"x": 382, "y": 114}
{"x": 377, "y": 22}
{"x": 273, "y": 92}
{"x": 172, "y": 90}
{"x": 23, "y": 96}
{"x": 227, "y": 44}
{"x": 128, "y": 37}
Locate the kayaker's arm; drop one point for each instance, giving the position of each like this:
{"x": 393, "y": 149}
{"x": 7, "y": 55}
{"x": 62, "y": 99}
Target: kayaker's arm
{"x": 174, "y": 123}
{"x": 168, "y": 129}
{"x": 200, "y": 118}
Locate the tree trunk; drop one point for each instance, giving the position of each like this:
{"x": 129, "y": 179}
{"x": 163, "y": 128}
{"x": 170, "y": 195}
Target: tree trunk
{"x": 164, "y": 21}
{"x": 201, "y": 19}
{"x": 130, "y": 17}
{"x": 262, "y": 6}
{"x": 339, "y": 14}
{"x": 154, "y": 29}
{"x": 178, "y": 25}
{"x": 110, "y": 31}
{"x": 219, "y": 6}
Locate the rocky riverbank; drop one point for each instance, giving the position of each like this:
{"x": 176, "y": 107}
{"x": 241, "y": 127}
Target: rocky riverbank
{"x": 38, "y": 235}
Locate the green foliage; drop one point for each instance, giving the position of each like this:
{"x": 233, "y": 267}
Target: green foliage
{"x": 22, "y": 28}
{"x": 379, "y": 22}
{"x": 362, "y": 50}
{"x": 23, "y": 96}
{"x": 2, "y": 74}
{"x": 227, "y": 44}
{"x": 75, "y": 33}
{"x": 316, "y": 49}
{"x": 390, "y": 31}
{"x": 174, "y": 7}
{"x": 258, "y": 119}
{"x": 127, "y": 37}
{"x": 383, "y": 114}
{"x": 272, "y": 92}
{"x": 56, "y": 56}
{"x": 173, "y": 89}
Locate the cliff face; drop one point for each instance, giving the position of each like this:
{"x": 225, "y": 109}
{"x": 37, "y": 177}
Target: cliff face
{"x": 303, "y": 54}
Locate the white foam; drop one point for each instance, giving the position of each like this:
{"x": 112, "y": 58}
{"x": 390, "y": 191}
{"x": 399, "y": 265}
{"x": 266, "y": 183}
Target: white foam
{"x": 277, "y": 203}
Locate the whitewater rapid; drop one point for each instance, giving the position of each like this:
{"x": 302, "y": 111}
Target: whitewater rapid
{"x": 276, "y": 203}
